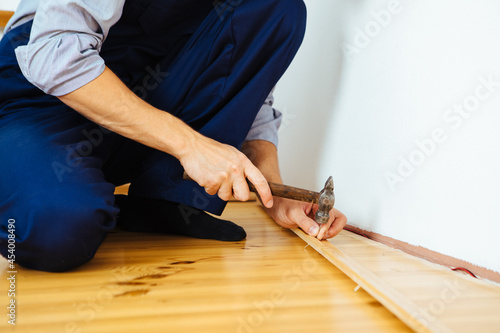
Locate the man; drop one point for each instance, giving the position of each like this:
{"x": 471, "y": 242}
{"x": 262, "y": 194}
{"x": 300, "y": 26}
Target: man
{"x": 95, "y": 94}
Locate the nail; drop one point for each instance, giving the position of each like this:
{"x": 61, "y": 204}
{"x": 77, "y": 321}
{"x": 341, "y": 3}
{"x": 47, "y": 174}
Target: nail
{"x": 313, "y": 231}
{"x": 270, "y": 203}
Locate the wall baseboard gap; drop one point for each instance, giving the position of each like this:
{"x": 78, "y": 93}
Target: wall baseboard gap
{"x": 429, "y": 255}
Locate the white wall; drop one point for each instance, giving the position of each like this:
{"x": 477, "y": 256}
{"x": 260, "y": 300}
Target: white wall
{"x": 357, "y": 106}
{"x": 9, "y": 4}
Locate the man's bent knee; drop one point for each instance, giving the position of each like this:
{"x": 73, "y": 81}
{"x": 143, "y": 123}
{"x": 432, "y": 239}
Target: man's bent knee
{"x": 60, "y": 237}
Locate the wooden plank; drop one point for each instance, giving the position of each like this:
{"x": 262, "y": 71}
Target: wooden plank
{"x": 5, "y": 17}
{"x": 151, "y": 282}
{"x": 425, "y": 296}
{"x": 122, "y": 189}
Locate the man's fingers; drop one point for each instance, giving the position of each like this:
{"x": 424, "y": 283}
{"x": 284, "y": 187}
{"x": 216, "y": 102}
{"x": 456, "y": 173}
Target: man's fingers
{"x": 338, "y": 224}
{"x": 212, "y": 190}
{"x": 240, "y": 189}
{"x": 309, "y": 226}
{"x": 323, "y": 229}
{"x": 335, "y": 225}
{"x": 225, "y": 191}
{"x": 261, "y": 185}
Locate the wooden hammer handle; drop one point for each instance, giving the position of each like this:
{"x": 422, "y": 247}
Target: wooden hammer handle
{"x": 283, "y": 191}
{"x": 289, "y": 192}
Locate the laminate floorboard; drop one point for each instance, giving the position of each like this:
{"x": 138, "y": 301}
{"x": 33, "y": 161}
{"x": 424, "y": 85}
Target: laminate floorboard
{"x": 5, "y": 17}
{"x": 426, "y": 296}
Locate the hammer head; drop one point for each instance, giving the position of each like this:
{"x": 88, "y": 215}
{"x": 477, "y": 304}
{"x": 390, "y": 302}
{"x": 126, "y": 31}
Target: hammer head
{"x": 325, "y": 202}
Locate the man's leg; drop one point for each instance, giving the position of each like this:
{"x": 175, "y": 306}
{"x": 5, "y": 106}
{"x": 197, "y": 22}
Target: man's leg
{"x": 212, "y": 64}
{"x": 51, "y": 182}
{"x": 57, "y": 195}
{"x": 216, "y": 80}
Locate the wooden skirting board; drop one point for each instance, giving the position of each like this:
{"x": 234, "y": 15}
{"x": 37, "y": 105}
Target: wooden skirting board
{"x": 429, "y": 255}
{"x": 425, "y": 296}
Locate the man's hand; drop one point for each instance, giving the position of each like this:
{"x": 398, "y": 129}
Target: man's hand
{"x": 292, "y": 214}
{"x": 222, "y": 169}
{"x": 285, "y": 212}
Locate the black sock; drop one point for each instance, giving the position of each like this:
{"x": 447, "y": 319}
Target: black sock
{"x": 154, "y": 215}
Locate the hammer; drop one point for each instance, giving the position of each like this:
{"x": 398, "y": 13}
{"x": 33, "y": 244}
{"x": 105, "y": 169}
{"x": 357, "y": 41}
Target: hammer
{"x": 325, "y": 199}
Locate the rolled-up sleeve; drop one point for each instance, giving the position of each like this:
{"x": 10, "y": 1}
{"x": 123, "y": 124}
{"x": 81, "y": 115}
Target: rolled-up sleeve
{"x": 62, "y": 54}
{"x": 266, "y": 124}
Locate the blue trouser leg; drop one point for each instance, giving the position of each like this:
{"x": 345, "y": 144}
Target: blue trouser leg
{"x": 59, "y": 169}
{"x": 51, "y": 181}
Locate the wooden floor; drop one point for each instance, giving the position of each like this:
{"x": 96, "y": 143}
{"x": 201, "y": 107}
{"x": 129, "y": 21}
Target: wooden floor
{"x": 5, "y": 17}
{"x": 165, "y": 283}
{"x": 426, "y": 296}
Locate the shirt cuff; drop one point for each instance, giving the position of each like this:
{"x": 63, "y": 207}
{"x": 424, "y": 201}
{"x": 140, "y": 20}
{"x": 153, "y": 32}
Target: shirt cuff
{"x": 73, "y": 55}
{"x": 266, "y": 125}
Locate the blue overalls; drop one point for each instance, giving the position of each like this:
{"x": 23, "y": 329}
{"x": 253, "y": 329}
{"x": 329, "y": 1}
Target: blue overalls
{"x": 212, "y": 64}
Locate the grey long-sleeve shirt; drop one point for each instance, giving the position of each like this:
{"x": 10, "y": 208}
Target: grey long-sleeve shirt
{"x": 63, "y": 51}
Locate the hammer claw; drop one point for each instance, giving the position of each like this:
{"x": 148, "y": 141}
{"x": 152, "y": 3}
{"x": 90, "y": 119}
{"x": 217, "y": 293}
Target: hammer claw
{"x": 325, "y": 202}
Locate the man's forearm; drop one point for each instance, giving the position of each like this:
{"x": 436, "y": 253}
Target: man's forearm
{"x": 109, "y": 103}
{"x": 221, "y": 169}
{"x": 264, "y": 155}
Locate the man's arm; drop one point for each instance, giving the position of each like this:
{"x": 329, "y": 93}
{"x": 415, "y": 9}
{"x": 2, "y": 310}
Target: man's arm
{"x": 290, "y": 213}
{"x": 219, "y": 168}
{"x": 62, "y": 59}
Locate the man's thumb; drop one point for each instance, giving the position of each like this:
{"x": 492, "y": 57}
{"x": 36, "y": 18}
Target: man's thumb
{"x": 309, "y": 226}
